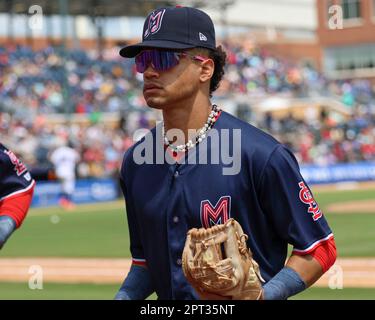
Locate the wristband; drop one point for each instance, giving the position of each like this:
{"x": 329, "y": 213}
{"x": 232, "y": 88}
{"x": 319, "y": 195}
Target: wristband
{"x": 283, "y": 285}
{"x": 137, "y": 285}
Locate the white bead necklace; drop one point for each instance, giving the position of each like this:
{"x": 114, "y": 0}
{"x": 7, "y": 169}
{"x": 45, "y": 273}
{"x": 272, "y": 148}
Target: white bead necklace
{"x": 201, "y": 132}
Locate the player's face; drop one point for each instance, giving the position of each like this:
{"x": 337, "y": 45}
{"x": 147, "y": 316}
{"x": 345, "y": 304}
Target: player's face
{"x": 175, "y": 85}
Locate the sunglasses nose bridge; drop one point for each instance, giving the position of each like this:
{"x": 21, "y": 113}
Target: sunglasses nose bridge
{"x": 150, "y": 68}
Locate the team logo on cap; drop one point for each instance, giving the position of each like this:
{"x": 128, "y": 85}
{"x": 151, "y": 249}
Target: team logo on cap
{"x": 154, "y": 23}
{"x": 218, "y": 214}
{"x": 307, "y": 198}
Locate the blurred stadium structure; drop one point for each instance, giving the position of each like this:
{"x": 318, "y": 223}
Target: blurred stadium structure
{"x": 288, "y": 73}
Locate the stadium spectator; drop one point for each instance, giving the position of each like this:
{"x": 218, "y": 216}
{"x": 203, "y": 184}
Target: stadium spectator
{"x": 36, "y": 84}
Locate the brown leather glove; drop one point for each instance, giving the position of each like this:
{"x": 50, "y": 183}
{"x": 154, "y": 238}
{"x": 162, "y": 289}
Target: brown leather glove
{"x": 218, "y": 264}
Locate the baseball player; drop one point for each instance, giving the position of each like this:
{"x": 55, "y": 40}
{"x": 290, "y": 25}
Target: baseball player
{"x": 64, "y": 159}
{"x": 16, "y": 192}
{"x": 182, "y": 67}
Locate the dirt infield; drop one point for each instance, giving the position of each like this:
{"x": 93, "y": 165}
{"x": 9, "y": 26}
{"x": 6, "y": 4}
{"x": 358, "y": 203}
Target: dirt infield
{"x": 359, "y": 272}
{"x": 65, "y": 270}
{"x": 361, "y": 206}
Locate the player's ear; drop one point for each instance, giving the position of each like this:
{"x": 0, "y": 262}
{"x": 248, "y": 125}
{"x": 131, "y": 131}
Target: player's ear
{"x": 207, "y": 70}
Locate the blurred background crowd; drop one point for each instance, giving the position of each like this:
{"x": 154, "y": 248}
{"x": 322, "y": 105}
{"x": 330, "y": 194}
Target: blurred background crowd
{"x": 40, "y": 90}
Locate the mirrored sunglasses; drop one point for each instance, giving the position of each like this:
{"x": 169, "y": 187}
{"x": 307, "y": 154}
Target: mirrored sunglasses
{"x": 161, "y": 60}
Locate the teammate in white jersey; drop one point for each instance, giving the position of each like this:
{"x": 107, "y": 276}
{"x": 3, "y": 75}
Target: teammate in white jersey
{"x": 65, "y": 159}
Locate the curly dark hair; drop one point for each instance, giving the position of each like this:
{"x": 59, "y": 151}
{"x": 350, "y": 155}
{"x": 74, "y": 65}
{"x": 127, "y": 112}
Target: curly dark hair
{"x": 220, "y": 58}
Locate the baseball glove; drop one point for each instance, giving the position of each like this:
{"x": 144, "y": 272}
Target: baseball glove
{"x": 218, "y": 264}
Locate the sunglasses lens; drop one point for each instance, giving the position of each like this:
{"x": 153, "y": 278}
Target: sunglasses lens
{"x": 161, "y": 60}
{"x": 142, "y": 61}
{"x": 167, "y": 60}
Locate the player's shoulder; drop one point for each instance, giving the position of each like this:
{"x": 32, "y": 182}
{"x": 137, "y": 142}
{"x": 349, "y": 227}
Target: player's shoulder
{"x": 3, "y": 148}
{"x": 128, "y": 159}
{"x": 6, "y": 154}
{"x": 56, "y": 152}
{"x": 14, "y": 175}
{"x": 3, "y": 154}
{"x": 253, "y": 139}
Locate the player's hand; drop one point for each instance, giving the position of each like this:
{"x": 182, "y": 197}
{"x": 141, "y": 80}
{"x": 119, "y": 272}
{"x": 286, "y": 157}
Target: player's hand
{"x": 7, "y": 226}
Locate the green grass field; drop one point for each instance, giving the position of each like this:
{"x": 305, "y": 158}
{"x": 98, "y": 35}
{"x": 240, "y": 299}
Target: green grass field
{"x": 100, "y": 230}
{"x": 354, "y": 232}
{"x": 55, "y": 291}
{"x": 95, "y": 230}
{"x": 338, "y": 294}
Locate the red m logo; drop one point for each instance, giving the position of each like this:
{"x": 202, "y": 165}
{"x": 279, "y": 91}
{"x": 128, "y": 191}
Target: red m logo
{"x": 218, "y": 214}
{"x": 154, "y": 23}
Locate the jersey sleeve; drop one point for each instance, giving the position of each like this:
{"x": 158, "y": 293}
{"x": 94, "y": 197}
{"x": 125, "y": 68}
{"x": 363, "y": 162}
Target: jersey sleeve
{"x": 15, "y": 179}
{"x": 136, "y": 247}
{"x": 17, "y": 206}
{"x": 16, "y": 186}
{"x": 290, "y": 205}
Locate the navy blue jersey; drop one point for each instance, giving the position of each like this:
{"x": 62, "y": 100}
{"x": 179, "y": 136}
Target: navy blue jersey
{"x": 14, "y": 177}
{"x": 268, "y": 197}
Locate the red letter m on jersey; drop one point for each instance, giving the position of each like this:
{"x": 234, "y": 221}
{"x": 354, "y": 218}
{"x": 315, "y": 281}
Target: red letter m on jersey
{"x": 218, "y": 214}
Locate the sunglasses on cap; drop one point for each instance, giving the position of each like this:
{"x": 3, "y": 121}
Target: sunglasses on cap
{"x": 161, "y": 60}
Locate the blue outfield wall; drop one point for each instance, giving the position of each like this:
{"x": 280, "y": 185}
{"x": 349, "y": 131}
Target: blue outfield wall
{"x": 100, "y": 190}
{"x": 86, "y": 191}
{"x": 359, "y": 171}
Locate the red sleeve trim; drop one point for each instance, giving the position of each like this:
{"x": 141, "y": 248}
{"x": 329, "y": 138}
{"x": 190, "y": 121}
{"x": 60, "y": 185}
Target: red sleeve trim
{"x": 139, "y": 262}
{"x": 312, "y": 247}
{"x": 19, "y": 192}
{"x": 17, "y": 205}
{"x": 326, "y": 254}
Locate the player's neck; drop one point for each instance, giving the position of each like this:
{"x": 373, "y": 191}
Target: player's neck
{"x": 187, "y": 117}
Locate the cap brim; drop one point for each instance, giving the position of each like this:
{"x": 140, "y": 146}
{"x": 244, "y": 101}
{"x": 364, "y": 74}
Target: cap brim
{"x": 133, "y": 50}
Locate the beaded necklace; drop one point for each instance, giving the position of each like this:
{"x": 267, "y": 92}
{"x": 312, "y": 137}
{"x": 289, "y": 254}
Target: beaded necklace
{"x": 201, "y": 132}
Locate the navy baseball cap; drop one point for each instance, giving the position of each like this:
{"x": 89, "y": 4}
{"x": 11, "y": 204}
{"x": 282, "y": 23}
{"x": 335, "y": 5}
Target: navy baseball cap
{"x": 174, "y": 28}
